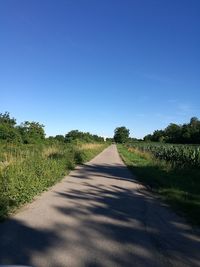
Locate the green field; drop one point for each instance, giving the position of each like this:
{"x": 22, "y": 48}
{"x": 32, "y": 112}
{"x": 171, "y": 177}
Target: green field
{"x": 176, "y": 177}
{"x": 185, "y": 156}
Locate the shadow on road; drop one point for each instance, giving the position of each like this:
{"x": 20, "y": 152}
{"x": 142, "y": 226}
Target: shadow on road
{"x": 113, "y": 225}
{"x": 18, "y": 241}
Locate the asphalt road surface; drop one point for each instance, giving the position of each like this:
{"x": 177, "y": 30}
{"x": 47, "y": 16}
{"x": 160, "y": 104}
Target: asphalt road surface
{"x": 98, "y": 216}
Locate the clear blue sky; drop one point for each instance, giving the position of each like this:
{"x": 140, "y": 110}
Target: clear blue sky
{"x": 94, "y": 65}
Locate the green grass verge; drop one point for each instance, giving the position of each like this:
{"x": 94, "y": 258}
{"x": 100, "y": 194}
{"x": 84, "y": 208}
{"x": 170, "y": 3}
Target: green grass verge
{"x": 26, "y": 171}
{"x": 179, "y": 187}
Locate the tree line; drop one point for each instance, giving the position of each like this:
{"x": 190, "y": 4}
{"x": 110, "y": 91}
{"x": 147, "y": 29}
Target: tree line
{"x": 188, "y": 133}
{"x": 30, "y": 132}
{"x": 34, "y": 133}
{"x": 76, "y": 135}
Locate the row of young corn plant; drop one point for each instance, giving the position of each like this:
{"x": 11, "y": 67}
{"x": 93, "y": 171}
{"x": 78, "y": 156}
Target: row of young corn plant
{"x": 177, "y": 155}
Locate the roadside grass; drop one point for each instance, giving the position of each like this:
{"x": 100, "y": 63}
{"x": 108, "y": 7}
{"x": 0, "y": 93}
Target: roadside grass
{"x": 90, "y": 146}
{"x": 26, "y": 171}
{"x": 179, "y": 187}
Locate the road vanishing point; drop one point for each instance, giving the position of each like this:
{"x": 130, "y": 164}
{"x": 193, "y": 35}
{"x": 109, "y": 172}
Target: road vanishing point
{"x": 98, "y": 216}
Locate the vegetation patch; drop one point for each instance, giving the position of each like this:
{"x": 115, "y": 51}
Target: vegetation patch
{"x": 26, "y": 171}
{"x": 180, "y": 156}
{"x": 30, "y": 163}
{"x": 179, "y": 186}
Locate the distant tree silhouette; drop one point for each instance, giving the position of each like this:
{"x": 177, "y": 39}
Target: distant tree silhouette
{"x": 121, "y": 134}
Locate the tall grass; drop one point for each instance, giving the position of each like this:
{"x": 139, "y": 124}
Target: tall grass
{"x": 27, "y": 170}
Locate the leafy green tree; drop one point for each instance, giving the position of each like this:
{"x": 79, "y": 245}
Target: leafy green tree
{"x": 194, "y": 129}
{"x": 8, "y": 132}
{"x": 188, "y": 133}
{"x": 194, "y": 121}
{"x": 72, "y": 136}
{"x": 32, "y": 132}
{"x": 6, "y": 119}
{"x": 109, "y": 140}
{"x": 121, "y": 135}
{"x": 157, "y": 136}
{"x": 60, "y": 138}
{"x": 76, "y": 135}
{"x": 173, "y": 133}
{"x": 148, "y": 138}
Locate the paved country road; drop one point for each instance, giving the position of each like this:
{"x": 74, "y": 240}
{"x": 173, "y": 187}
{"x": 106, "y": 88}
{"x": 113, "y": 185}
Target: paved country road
{"x": 98, "y": 216}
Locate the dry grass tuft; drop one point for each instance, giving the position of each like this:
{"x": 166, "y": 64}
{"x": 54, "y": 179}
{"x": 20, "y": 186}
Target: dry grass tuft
{"x": 90, "y": 146}
{"x": 48, "y": 151}
{"x": 144, "y": 155}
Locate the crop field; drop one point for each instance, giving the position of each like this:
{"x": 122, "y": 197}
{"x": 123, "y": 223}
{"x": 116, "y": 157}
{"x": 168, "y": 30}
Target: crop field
{"x": 27, "y": 170}
{"x": 172, "y": 171}
{"x": 177, "y": 155}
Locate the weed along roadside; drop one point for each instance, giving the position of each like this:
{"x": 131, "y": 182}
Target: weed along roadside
{"x": 179, "y": 186}
{"x": 26, "y": 171}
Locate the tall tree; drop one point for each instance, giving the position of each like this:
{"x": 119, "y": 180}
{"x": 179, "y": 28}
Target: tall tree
{"x": 188, "y": 133}
{"x": 6, "y": 119}
{"x": 173, "y": 133}
{"x": 8, "y": 131}
{"x": 32, "y": 132}
{"x": 121, "y": 134}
